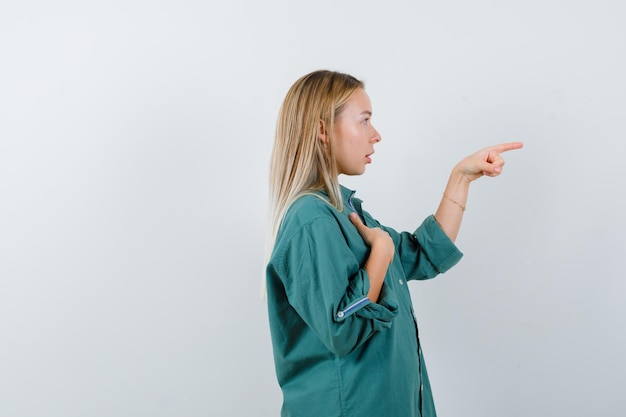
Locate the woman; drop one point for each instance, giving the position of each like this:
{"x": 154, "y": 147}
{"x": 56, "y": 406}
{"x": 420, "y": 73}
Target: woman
{"x": 344, "y": 333}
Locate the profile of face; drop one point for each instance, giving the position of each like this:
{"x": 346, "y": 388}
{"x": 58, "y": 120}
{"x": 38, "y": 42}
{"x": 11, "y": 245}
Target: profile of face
{"x": 354, "y": 135}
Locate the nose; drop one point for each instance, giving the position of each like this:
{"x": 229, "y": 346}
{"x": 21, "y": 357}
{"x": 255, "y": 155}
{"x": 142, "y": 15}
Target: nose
{"x": 376, "y": 138}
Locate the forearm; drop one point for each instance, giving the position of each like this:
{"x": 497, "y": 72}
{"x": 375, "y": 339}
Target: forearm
{"x": 449, "y": 214}
{"x": 376, "y": 267}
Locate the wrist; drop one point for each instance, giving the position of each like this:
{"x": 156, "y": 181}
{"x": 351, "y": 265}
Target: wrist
{"x": 458, "y": 184}
{"x": 382, "y": 250}
{"x": 459, "y": 177}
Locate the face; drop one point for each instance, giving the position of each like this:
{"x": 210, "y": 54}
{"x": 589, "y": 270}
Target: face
{"x": 354, "y": 136}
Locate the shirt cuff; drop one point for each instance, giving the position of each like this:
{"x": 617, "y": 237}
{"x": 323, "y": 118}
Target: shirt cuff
{"x": 441, "y": 251}
{"x": 381, "y": 313}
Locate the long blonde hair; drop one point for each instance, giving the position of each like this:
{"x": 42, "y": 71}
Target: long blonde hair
{"x": 300, "y": 162}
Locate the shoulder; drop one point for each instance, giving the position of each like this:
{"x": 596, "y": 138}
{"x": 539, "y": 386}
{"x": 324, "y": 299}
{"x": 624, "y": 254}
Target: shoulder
{"x": 309, "y": 219}
{"x": 308, "y": 209}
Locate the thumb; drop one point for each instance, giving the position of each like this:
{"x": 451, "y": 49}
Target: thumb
{"x": 356, "y": 220}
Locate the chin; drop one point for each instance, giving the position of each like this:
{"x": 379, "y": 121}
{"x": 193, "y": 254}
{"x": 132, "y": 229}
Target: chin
{"x": 357, "y": 172}
{"x": 353, "y": 172}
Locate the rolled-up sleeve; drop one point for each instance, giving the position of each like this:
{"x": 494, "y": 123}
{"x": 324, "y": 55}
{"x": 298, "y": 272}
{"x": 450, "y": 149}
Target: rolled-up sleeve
{"x": 358, "y": 303}
{"x": 426, "y": 252}
{"x": 326, "y": 285}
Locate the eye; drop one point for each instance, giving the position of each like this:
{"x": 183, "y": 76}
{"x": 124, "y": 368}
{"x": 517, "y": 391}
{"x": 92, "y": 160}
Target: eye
{"x": 366, "y": 121}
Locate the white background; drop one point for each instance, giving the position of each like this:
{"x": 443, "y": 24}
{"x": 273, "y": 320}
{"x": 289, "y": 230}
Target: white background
{"x": 134, "y": 146}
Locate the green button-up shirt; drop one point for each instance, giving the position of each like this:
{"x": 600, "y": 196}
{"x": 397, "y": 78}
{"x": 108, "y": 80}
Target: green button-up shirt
{"x": 336, "y": 353}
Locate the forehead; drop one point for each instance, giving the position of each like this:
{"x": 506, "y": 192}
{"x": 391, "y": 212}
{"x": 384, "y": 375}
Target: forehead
{"x": 359, "y": 102}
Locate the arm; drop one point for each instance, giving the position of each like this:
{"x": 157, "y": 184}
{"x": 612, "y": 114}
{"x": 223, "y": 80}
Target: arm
{"x": 381, "y": 254}
{"x": 484, "y": 162}
{"x": 328, "y": 288}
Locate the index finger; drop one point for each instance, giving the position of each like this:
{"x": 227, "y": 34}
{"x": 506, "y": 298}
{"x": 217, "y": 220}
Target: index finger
{"x": 503, "y": 147}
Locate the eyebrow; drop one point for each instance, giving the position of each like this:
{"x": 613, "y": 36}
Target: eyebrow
{"x": 369, "y": 113}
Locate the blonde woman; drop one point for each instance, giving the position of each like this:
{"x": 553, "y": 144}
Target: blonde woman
{"x": 344, "y": 334}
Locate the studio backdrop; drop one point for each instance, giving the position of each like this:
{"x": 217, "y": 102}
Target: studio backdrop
{"x": 135, "y": 139}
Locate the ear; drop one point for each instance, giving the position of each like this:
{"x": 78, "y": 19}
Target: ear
{"x": 322, "y": 134}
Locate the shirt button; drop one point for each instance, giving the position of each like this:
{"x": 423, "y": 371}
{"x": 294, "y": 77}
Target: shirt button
{"x": 401, "y": 282}
{"x": 340, "y": 314}
{"x": 421, "y": 388}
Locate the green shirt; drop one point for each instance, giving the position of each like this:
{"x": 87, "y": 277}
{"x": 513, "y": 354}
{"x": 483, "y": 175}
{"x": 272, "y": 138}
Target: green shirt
{"x": 337, "y": 354}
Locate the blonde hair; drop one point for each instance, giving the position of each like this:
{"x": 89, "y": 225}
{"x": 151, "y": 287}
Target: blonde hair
{"x": 300, "y": 162}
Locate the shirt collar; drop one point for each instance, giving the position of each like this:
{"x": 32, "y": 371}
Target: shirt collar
{"x": 346, "y": 193}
